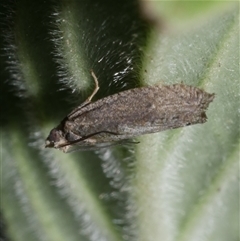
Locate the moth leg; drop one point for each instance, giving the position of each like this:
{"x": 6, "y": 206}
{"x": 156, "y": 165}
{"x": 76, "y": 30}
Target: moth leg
{"x": 96, "y": 87}
{"x": 88, "y": 100}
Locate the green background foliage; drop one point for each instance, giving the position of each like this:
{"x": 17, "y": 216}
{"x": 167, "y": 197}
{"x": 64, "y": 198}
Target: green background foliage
{"x": 176, "y": 185}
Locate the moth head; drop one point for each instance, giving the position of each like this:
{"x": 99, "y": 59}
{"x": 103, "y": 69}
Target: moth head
{"x": 55, "y": 138}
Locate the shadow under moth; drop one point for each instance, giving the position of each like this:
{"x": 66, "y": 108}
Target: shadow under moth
{"x": 128, "y": 114}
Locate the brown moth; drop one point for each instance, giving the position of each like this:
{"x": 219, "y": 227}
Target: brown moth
{"x": 128, "y": 114}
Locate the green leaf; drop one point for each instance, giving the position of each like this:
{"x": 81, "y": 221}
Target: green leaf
{"x": 175, "y": 185}
{"x": 187, "y": 179}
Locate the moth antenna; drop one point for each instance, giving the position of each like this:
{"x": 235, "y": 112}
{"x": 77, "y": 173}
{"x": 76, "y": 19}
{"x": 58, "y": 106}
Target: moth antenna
{"x": 86, "y": 137}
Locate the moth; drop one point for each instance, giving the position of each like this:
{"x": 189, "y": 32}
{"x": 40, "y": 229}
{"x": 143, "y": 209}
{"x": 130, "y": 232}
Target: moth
{"x": 128, "y": 114}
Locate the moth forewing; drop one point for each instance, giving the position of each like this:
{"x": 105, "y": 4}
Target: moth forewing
{"x": 128, "y": 114}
